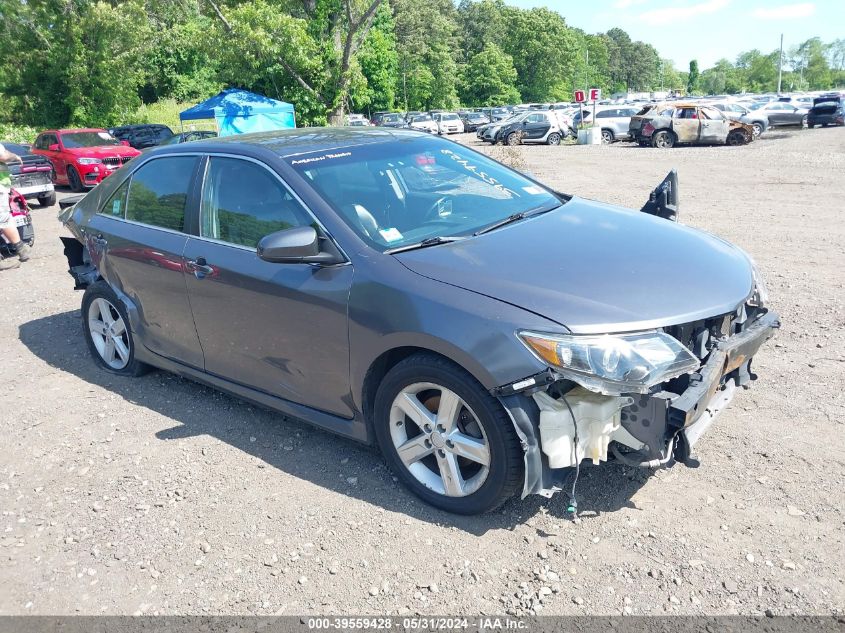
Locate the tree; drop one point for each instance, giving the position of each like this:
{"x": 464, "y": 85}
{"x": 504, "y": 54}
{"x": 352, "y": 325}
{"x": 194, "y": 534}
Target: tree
{"x": 489, "y": 78}
{"x": 544, "y": 52}
{"x": 427, "y": 42}
{"x": 692, "y": 78}
{"x": 379, "y": 64}
{"x": 316, "y": 42}
{"x": 481, "y": 22}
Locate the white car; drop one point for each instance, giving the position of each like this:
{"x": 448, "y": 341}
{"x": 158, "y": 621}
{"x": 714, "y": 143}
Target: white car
{"x": 448, "y": 123}
{"x": 423, "y": 123}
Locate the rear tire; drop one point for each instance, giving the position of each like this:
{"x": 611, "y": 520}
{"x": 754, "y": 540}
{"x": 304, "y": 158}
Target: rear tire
{"x": 74, "y": 181}
{"x": 47, "y": 200}
{"x": 105, "y": 325}
{"x": 553, "y": 139}
{"x": 419, "y": 398}
{"x": 663, "y": 139}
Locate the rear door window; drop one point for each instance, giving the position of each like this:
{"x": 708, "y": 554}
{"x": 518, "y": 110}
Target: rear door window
{"x": 242, "y": 202}
{"x": 158, "y": 192}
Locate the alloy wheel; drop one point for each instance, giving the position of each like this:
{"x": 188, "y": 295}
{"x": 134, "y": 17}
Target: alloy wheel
{"x": 439, "y": 439}
{"x": 109, "y": 333}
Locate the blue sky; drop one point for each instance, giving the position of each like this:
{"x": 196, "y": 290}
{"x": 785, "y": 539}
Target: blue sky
{"x": 706, "y": 30}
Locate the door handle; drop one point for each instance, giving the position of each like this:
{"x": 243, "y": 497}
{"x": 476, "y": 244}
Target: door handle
{"x": 199, "y": 267}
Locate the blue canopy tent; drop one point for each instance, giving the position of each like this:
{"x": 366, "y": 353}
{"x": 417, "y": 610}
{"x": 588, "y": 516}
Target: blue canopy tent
{"x": 240, "y": 111}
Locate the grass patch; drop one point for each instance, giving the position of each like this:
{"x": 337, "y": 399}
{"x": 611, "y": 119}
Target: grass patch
{"x": 167, "y": 112}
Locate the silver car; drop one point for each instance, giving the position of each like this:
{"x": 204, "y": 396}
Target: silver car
{"x": 613, "y": 121}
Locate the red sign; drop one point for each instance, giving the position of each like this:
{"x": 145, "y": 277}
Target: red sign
{"x": 580, "y": 97}
{"x": 595, "y": 94}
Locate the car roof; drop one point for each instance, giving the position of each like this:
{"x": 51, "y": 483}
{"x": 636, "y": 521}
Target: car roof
{"x": 292, "y": 142}
{"x": 70, "y": 130}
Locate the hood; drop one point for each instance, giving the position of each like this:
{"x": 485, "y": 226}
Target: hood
{"x": 595, "y": 268}
{"x": 104, "y": 151}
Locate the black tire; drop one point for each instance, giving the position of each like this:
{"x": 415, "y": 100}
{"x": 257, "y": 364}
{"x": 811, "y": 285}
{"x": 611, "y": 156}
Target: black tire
{"x": 607, "y": 137}
{"x": 47, "y": 200}
{"x": 738, "y": 137}
{"x": 505, "y": 476}
{"x": 101, "y": 290}
{"x": 74, "y": 181}
{"x": 513, "y": 138}
{"x": 553, "y": 139}
{"x": 663, "y": 139}
{"x": 758, "y": 129}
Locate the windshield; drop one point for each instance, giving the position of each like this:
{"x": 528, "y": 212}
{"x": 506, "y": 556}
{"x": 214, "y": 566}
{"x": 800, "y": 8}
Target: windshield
{"x": 420, "y": 119}
{"x": 399, "y": 193}
{"x": 449, "y": 117}
{"x": 88, "y": 139}
{"x": 758, "y": 105}
{"x": 391, "y": 118}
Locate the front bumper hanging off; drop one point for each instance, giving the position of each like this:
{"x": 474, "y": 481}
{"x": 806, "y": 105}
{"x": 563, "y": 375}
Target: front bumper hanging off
{"x": 664, "y": 422}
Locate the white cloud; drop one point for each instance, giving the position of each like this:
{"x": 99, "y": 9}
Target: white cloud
{"x": 671, "y": 15}
{"x": 786, "y": 12}
{"x": 625, "y": 4}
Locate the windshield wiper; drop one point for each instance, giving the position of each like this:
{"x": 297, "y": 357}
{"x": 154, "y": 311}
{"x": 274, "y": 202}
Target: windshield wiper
{"x": 515, "y": 217}
{"x": 429, "y": 241}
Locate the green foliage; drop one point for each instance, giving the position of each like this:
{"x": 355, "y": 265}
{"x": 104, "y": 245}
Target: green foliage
{"x": 692, "y": 78}
{"x": 14, "y": 133}
{"x": 489, "y": 78}
{"x": 104, "y": 62}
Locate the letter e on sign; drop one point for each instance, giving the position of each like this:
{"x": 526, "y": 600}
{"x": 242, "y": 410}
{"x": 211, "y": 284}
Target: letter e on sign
{"x": 580, "y": 97}
{"x": 595, "y": 94}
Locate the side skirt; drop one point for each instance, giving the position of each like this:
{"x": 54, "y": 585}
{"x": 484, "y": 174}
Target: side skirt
{"x": 354, "y": 429}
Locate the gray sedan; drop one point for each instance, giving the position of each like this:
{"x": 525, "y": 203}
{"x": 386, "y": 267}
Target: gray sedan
{"x": 487, "y": 332}
{"x": 782, "y": 114}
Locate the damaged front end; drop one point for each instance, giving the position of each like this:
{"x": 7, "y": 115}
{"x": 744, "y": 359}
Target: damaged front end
{"x": 564, "y": 417}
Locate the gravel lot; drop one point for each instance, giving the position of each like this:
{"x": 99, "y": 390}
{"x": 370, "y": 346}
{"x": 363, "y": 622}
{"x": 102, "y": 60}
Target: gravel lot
{"x": 159, "y": 496}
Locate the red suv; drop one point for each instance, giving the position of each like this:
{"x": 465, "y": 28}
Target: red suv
{"x": 82, "y": 157}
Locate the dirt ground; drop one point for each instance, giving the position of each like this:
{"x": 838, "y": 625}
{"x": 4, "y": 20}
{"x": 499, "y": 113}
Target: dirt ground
{"x": 159, "y": 496}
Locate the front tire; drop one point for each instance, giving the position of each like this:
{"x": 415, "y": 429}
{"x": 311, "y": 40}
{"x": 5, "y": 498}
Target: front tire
{"x": 758, "y": 129}
{"x": 446, "y": 438}
{"x": 607, "y": 137}
{"x": 804, "y": 120}
{"x": 74, "y": 181}
{"x": 514, "y": 138}
{"x": 105, "y": 325}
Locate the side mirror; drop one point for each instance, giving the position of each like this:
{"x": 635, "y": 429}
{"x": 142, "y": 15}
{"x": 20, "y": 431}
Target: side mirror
{"x": 299, "y": 245}
{"x": 54, "y": 147}
{"x": 124, "y": 143}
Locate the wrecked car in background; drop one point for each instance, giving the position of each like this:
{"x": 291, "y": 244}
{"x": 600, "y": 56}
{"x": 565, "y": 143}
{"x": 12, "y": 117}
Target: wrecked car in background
{"x": 667, "y": 125}
{"x": 393, "y": 287}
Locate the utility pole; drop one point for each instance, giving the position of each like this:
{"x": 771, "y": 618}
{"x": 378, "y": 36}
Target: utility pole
{"x": 586, "y": 66}
{"x": 780, "y": 63}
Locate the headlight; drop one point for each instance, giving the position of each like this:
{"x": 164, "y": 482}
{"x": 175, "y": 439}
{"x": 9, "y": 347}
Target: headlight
{"x": 613, "y": 364}
{"x": 88, "y": 161}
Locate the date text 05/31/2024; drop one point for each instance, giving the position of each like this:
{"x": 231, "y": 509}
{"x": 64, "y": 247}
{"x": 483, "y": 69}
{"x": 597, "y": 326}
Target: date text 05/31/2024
{"x": 416, "y": 623}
